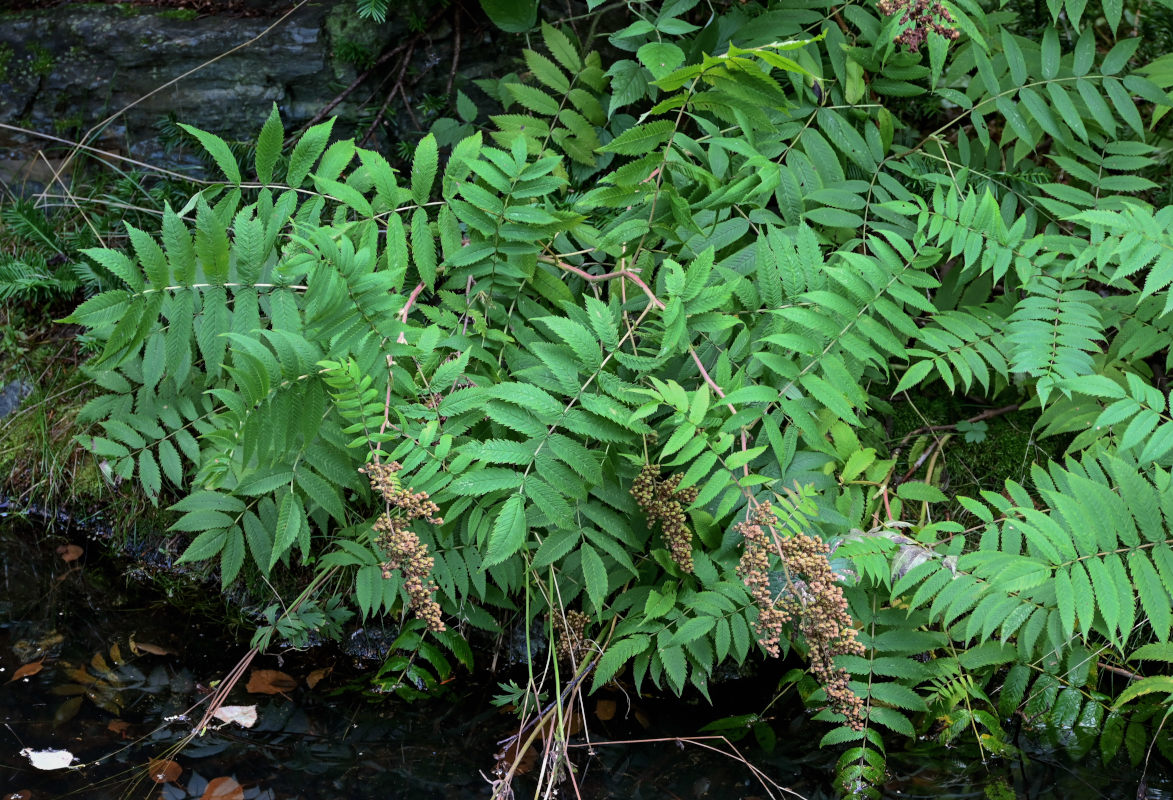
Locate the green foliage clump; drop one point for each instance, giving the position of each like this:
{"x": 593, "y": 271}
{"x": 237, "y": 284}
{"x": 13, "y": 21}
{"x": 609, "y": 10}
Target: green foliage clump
{"x": 730, "y": 255}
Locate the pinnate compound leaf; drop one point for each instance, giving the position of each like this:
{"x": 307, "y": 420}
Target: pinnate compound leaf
{"x": 618, "y": 654}
{"x": 306, "y": 152}
{"x": 204, "y": 546}
{"x": 560, "y": 46}
{"x": 1154, "y": 684}
{"x": 231, "y": 557}
{"x": 675, "y": 666}
{"x": 595, "y": 574}
{"x": 269, "y": 145}
{"x": 290, "y": 518}
{"x": 641, "y": 138}
{"x": 423, "y": 169}
{"x": 509, "y": 531}
{"x": 218, "y": 149}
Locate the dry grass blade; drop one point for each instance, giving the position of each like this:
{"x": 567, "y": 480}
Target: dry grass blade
{"x": 767, "y": 783}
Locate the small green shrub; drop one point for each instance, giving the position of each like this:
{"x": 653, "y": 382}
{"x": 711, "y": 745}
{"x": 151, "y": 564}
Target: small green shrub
{"x": 656, "y": 311}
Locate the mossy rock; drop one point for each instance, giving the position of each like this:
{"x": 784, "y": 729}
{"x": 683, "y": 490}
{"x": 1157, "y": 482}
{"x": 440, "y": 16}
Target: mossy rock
{"x": 984, "y": 461}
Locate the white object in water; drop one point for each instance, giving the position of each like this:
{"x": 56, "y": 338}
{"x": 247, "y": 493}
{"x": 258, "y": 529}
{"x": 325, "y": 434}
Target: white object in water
{"x": 48, "y": 759}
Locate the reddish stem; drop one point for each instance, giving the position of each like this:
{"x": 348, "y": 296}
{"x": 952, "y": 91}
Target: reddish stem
{"x": 411, "y": 298}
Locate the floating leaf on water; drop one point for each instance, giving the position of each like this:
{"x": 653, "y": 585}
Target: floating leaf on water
{"x": 81, "y": 676}
{"x": 26, "y": 670}
{"x": 22, "y": 794}
{"x": 605, "y": 709}
{"x": 315, "y": 677}
{"x": 119, "y": 726}
{"x": 68, "y": 689}
{"x": 104, "y": 698}
{"x": 223, "y": 789}
{"x": 30, "y": 650}
{"x": 67, "y": 710}
{"x": 270, "y": 681}
{"x": 116, "y": 655}
{"x": 69, "y": 552}
{"x": 138, "y": 648}
{"x": 244, "y": 716}
{"x": 48, "y": 759}
{"x": 99, "y": 665}
{"x": 164, "y": 770}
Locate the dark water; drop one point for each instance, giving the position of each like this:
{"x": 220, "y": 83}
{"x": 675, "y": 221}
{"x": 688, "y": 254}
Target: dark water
{"x": 124, "y": 672}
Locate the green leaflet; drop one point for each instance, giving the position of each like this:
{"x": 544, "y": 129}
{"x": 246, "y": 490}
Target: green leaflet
{"x": 509, "y": 531}
{"x": 219, "y": 151}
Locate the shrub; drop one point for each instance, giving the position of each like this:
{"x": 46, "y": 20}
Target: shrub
{"x": 630, "y": 349}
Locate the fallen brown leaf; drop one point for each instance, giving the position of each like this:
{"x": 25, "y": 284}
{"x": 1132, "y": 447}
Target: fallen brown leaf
{"x": 138, "y": 648}
{"x": 67, "y": 711}
{"x": 23, "y": 794}
{"x": 69, "y": 552}
{"x": 119, "y": 726}
{"x": 80, "y": 675}
{"x": 26, "y": 670}
{"x": 223, "y": 789}
{"x": 68, "y": 689}
{"x": 605, "y": 709}
{"x": 270, "y": 681}
{"x": 315, "y": 677}
{"x": 99, "y": 665}
{"x": 164, "y": 771}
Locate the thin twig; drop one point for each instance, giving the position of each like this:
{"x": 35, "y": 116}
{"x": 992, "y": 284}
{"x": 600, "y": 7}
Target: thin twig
{"x": 455, "y": 54}
{"x": 702, "y": 742}
{"x": 1118, "y": 670}
{"x": 622, "y": 273}
{"x": 415, "y": 293}
{"x": 989, "y": 413}
{"x": 713, "y": 385}
{"x": 99, "y": 151}
{"x": 952, "y": 426}
{"x": 395, "y": 87}
{"x": 345, "y": 93}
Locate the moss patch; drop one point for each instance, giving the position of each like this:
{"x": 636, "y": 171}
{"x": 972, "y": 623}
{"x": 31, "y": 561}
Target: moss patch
{"x": 38, "y": 455}
{"x": 5, "y": 57}
{"x": 186, "y": 14}
{"x": 963, "y": 468}
{"x": 42, "y": 61}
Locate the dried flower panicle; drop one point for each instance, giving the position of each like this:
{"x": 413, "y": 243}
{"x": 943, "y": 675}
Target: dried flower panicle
{"x": 403, "y": 548}
{"x": 814, "y": 602}
{"x": 925, "y": 16}
{"x": 570, "y": 628}
{"x": 662, "y": 503}
{"x": 754, "y": 570}
{"x": 414, "y": 505}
